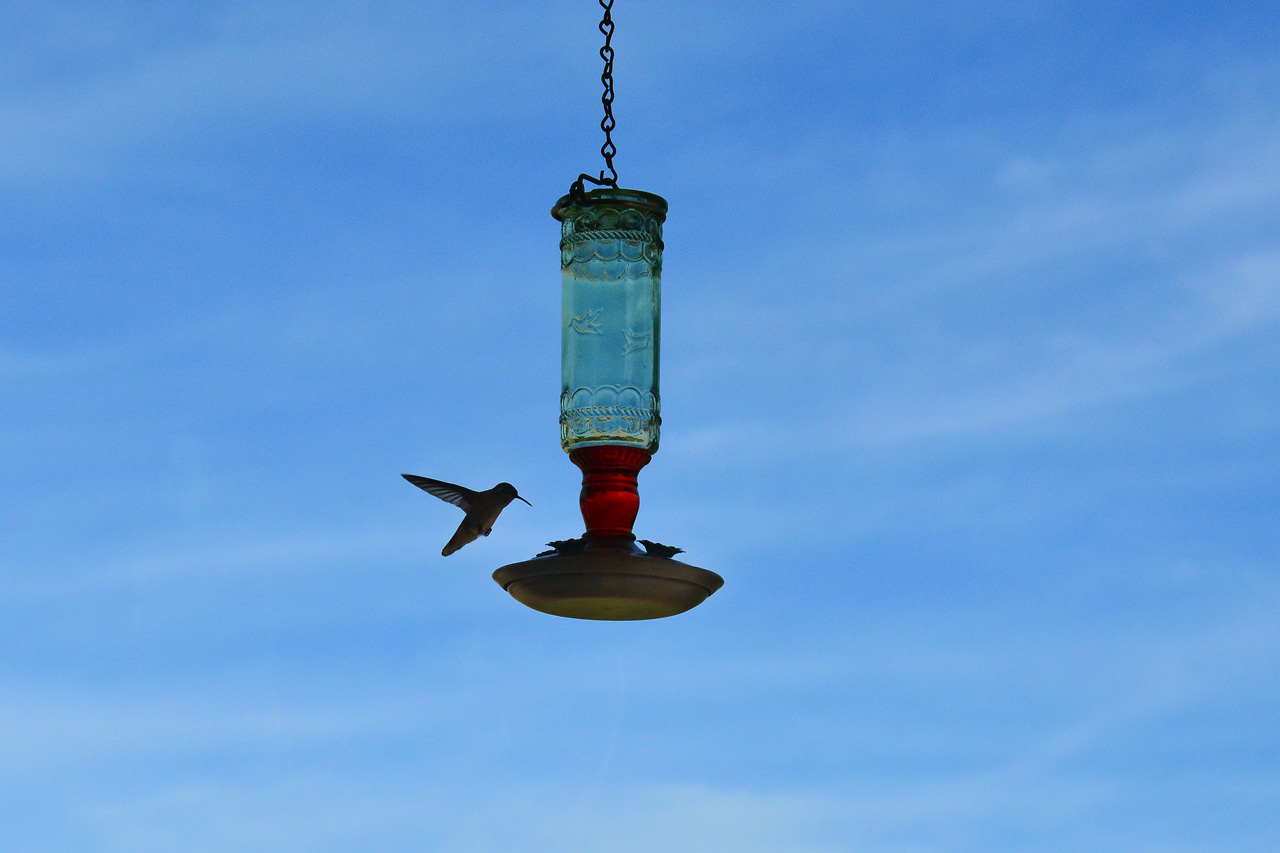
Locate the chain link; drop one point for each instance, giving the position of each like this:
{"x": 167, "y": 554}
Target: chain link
{"x": 607, "y": 124}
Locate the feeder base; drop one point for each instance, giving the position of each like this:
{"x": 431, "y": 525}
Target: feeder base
{"x": 607, "y": 579}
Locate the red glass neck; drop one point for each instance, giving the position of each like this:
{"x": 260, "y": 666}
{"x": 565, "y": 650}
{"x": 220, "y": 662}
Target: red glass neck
{"x": 610, "y": 498}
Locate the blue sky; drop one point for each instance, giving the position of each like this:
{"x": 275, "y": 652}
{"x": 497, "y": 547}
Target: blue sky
{"x": 970, "y": 381}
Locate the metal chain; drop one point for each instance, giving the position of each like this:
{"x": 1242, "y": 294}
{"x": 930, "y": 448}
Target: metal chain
{"x": 607, "y": 124}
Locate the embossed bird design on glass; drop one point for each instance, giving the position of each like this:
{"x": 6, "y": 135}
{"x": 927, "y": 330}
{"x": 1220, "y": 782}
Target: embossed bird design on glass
{"x": 588, "y": 323}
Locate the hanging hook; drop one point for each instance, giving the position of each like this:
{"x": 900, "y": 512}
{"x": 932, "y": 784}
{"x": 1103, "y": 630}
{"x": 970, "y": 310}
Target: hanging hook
{"x": 607, "y": 124}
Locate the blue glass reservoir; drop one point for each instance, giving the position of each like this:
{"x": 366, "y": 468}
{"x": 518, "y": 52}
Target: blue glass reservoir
{"x": 611, "y": 297}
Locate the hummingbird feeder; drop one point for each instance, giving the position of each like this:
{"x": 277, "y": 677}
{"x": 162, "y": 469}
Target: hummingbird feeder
{"x": 610, "y": 330}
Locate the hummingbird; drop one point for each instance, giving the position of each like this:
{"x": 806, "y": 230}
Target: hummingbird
{"x": 482, "y": 508}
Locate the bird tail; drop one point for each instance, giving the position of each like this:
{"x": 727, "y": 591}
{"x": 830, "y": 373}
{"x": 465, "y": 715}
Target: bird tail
{"x": 464, "y": 534}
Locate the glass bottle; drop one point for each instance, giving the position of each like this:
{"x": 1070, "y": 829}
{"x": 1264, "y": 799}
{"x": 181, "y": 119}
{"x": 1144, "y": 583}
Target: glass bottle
{"x": 611, "y": 295}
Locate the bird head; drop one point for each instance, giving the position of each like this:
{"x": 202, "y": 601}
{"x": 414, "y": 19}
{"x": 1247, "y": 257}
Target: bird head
{"x": 510, "y": 491}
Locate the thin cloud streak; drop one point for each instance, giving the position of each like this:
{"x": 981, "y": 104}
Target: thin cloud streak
{"x": 1067, "y": 370}
{"x": 244, "y": 78}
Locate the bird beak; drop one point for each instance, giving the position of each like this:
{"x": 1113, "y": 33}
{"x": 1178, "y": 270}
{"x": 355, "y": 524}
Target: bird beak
{"x": 522, "y": 499}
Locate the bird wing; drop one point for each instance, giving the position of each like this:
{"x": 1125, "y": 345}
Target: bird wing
{"x": 449, "y": 493}
{"x": 465, "y": 533}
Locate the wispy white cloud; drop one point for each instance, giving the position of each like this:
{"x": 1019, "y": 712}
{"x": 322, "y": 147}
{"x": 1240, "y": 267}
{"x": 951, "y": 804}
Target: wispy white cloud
{"x": 1030, "y": 373}
{"x": 1108, "y": 688}
{"x": 228, "y": 78}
